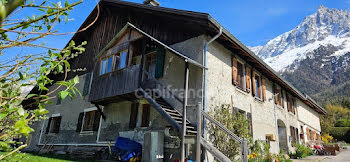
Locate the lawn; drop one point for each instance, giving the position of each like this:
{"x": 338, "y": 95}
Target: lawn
{"x": 28, "y": 157}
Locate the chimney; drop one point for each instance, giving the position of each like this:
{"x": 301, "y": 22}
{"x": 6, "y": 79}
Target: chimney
{"x": 151, "y": 2}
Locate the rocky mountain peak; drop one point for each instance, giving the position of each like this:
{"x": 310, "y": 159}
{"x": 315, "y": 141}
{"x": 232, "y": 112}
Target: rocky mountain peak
{"x": 326, "y": 26}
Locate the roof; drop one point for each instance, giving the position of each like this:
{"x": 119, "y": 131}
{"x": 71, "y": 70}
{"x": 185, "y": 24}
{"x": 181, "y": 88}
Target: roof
{"x": 211, "y": 23}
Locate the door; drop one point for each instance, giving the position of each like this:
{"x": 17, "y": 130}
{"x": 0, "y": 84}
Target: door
{"x": 150, "y": 66}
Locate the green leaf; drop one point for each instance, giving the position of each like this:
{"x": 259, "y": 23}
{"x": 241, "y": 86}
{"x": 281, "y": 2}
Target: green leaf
{"x": 31, "y": 95}
{"x": 63, "y": 94}
{"x": 76, "y": 79}
{"x": 21, "y": 111}
{"x": 3, "y": 115}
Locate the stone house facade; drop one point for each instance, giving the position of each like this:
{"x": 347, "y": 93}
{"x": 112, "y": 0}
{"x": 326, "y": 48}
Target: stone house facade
{"x": 133, "y": 48}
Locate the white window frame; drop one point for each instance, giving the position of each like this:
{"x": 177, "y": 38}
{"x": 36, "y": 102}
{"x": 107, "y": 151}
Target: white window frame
{"x": 83, "y": 121}
{"x": 50, "y": 126}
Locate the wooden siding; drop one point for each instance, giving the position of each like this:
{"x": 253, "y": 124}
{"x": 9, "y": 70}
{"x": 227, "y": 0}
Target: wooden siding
{"x": 114, "y": 83}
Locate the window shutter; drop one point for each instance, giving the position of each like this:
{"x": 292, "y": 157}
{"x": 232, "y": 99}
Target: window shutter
{"x": 48, "y": 126}
{"x": 146, "y": 115}
{"x": 263, "y": 82}
{"x": 87, "y": 84}
{"x": 308, "y": 134}
{"x": 248, "y": 81}
{"x": 275, "y": 93}
{"x": 160, "y": 62}
{"x": 234, "y": 70}
{"x": 253, "y": 83}
{"x": 97, "y": 118}
{"x": 133, "y": 115}
{"x": 57, "y": 124}
{"x": 80, "y": 122}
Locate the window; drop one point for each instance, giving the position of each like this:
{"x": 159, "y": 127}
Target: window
{"x": 290, "y": 104}
{"x": 121, "y": 60}
{"x": 257, "y": 81}
{"x": 294, "y": 134}
{"x": 278, "y": 93}
{"x": 146, "y": 112}
{"x": 106, "y": 65}
{"x": 88, "y": 120}
{"x": 54, "y": 123}
{"x": 240, "y": 76}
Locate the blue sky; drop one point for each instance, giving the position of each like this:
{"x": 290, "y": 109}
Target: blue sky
{"x": 253, "y": 22}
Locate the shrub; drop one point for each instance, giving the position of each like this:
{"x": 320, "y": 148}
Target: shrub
{"x": 326, "y": 138}
{"x": 301, "y": 151}
{"x": 342, "y": 123}
{"x": 341, "y": 133}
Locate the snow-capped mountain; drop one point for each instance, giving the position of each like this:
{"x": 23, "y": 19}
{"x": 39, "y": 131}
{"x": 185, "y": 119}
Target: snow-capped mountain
{"x": 323, "y": 28}
{"x": 315, "y": 55}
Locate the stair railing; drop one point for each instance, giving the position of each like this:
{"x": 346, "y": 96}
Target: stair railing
{"x": 201, "y": 116}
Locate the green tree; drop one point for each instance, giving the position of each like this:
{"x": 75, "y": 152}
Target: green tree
{"x": 334, "y": 113}
{"x": 26, "y": 70}
{"x": 236, "y": 123}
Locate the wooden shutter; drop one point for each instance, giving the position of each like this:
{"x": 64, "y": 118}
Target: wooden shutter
{"x": 160, "y": 62}
{"x": 308, "y": 134}
{"x": 263, "y": 82}
{"x": 247, "y": 76}
{"x": 80, "y": 122}
{"x": 146, "y": 109}
{"x": 234, "y": 70}
{"x": 253, "y": 84}
{"x": 133, "y": 115}
{"x": 275, "y": 93}
{"x": 57, "y": 124}
{"x": 48, "y": 126}
{"x": 87, "y": 84}
{"x": 97, "y": 118}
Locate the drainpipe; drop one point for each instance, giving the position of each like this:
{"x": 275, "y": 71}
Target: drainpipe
{"x": 205, "y": 75}
{"x": 204, "y": 100}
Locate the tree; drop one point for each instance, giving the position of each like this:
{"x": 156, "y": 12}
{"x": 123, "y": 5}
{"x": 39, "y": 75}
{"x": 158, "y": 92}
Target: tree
{"x": 23, "y": 70}
{"x": 334, "y": 113}
{"x": 236, "y": 123}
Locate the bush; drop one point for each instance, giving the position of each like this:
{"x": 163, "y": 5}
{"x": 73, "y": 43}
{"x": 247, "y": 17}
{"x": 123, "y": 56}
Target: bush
{"x": 326, "y": 138}
{"x": 341, "y": 133}
{"x": 301, "y": 151}
{"x": 342, "y": 123}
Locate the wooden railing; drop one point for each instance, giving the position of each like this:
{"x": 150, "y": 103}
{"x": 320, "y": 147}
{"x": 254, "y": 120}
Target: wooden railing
{"x": 115, "y": 83}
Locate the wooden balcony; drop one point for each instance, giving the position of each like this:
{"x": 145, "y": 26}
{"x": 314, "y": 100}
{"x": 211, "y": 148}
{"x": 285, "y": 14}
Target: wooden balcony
{"x": 116, "y": 83}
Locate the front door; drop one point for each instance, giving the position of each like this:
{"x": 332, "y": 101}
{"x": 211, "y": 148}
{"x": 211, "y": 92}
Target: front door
{"x": 150, "y": 65}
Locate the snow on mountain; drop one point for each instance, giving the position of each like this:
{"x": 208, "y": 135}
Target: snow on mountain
{"x": 325, "y": 27}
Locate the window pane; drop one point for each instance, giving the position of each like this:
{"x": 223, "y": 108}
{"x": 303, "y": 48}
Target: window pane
{"x": 109, "y": 65}
{"x": 103, "y": 66}
{"x": 123, "y": 59}
{"x": 117, "y": 61}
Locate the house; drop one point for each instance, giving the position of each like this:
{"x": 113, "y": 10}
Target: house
{"x": 145, "y": 64}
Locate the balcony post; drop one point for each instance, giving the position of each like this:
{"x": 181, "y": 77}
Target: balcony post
{"x": 184, "y": 113}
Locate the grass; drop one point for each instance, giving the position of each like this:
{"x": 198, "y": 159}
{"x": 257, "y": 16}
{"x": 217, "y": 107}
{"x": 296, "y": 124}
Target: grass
{"x": 29, "y": 157}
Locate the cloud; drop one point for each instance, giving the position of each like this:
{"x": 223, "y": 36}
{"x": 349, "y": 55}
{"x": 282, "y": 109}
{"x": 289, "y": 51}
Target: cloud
{"x": 277, "y": 11}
